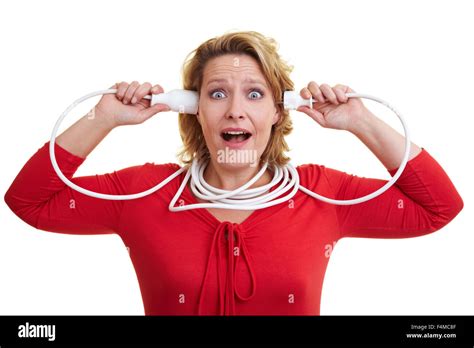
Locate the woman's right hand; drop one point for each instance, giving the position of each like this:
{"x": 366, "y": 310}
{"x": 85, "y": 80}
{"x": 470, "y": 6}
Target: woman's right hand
{"x": 127, "y": 106}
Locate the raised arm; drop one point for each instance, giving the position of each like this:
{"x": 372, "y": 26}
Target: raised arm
{"x": 126, "y": 107}
{"x": 423, "y": 199}
{"x": 42, "y": 200}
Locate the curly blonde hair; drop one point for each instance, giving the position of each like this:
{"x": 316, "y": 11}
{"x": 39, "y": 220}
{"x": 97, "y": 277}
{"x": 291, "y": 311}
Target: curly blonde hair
{"x": 276, "y": 71}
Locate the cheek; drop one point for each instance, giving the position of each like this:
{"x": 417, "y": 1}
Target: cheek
{"x": 208, "y": 116}
{"x": 264, "y": 133}
{"x": 211, "y": 108}
{"x": 209, "y": 129}
{"x": 264, "y": 126}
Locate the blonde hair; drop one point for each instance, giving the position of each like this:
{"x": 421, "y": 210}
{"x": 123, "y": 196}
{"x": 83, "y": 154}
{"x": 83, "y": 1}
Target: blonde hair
{"x": 276, "y": 71}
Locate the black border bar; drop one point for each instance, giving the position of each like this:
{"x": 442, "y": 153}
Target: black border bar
{"x": 75, "y": 331}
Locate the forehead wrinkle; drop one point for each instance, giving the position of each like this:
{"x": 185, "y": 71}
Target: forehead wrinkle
{"x": 224, "y": 72}
{"x": 230, "y": 67}
{"x": 225, "y": 80}
{"x": 231, "y": 70}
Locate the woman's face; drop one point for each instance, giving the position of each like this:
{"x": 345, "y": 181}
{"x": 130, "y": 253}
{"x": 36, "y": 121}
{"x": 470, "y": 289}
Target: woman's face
{"x": 236, "y": 98}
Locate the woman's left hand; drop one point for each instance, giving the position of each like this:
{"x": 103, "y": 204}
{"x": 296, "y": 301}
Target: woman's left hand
{"x": 331, "y": 107}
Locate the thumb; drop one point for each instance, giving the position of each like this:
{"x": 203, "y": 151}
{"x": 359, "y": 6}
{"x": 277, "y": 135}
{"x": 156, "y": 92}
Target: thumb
{"x": 314, "y": 114}
{"x": 152, "y": 110}
{"x": 350, "y": 90}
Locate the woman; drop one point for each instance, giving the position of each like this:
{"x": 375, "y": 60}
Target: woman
{"x": 274, "y": 264}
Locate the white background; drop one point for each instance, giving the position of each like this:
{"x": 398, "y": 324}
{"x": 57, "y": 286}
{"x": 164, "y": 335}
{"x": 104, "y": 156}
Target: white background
{"x": 415, "y": 55}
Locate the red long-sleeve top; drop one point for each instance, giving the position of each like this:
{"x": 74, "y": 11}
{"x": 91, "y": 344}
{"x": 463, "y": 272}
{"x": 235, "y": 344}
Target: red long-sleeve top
{"x": 186, "y": 263}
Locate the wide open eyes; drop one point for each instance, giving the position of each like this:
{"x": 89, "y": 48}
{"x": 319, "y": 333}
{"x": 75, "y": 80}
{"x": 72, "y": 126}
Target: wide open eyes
{"x": 254, "y": 94}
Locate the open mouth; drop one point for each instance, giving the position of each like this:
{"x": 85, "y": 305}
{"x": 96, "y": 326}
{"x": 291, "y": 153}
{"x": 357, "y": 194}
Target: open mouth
{"x": 235, "y": 136}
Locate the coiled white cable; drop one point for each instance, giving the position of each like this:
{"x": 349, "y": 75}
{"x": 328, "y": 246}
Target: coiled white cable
{"x": 241, "y": 198}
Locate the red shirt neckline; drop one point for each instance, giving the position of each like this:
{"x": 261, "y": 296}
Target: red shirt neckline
{"x": 204, "y": 211}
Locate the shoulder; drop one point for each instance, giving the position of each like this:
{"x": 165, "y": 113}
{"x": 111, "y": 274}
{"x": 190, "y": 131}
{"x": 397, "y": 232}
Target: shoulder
{"x": 149, "y": 174}
{"x": 309, "y": 172}
{"x": 160, "y": 170}
{"x": 319, "y": 177}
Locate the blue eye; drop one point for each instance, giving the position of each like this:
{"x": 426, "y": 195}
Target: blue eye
{"x": 255, "y": 94}
{"x": 216, "y": 91}
{"x": 257, "y": 91}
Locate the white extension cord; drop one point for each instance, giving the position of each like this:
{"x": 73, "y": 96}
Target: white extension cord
{"x": 241, "y": 198}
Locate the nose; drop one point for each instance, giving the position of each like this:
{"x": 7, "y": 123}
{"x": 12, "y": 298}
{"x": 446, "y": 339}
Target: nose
{"x": 235, "y": 108}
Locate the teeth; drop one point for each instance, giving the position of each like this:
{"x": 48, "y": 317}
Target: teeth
{"x": 234, "y": 132}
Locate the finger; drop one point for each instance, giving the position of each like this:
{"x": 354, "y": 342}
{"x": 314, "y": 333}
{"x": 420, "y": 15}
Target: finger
{"x": 152, "y": 110}
{"x": 340, "y": 92}
{"x": 314, "y": 114}
{"x": 305, "y": 93}
{"x": 329, "y": 93}
{"x": 156, "y": 89}
{"x": 350, "y": 90}
{"x": 130, "y": 92}
{"x": 316, "y": 91}
{"x": 140, "y": 92}
{"x": 121, "y": 89}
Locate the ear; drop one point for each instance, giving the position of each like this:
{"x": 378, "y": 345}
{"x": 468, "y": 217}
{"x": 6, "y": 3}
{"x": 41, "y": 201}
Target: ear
{"x": 197, "y": 114}
{"x": 276, "y": 117}
{"x": 197, "y": 117}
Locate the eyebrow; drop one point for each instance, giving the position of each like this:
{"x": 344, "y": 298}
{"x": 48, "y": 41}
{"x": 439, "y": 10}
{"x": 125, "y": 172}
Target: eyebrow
{"x": 251, "y": 80}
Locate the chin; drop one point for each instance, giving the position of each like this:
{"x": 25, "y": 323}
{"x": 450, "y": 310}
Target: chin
{"x": 237, "y": 158}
